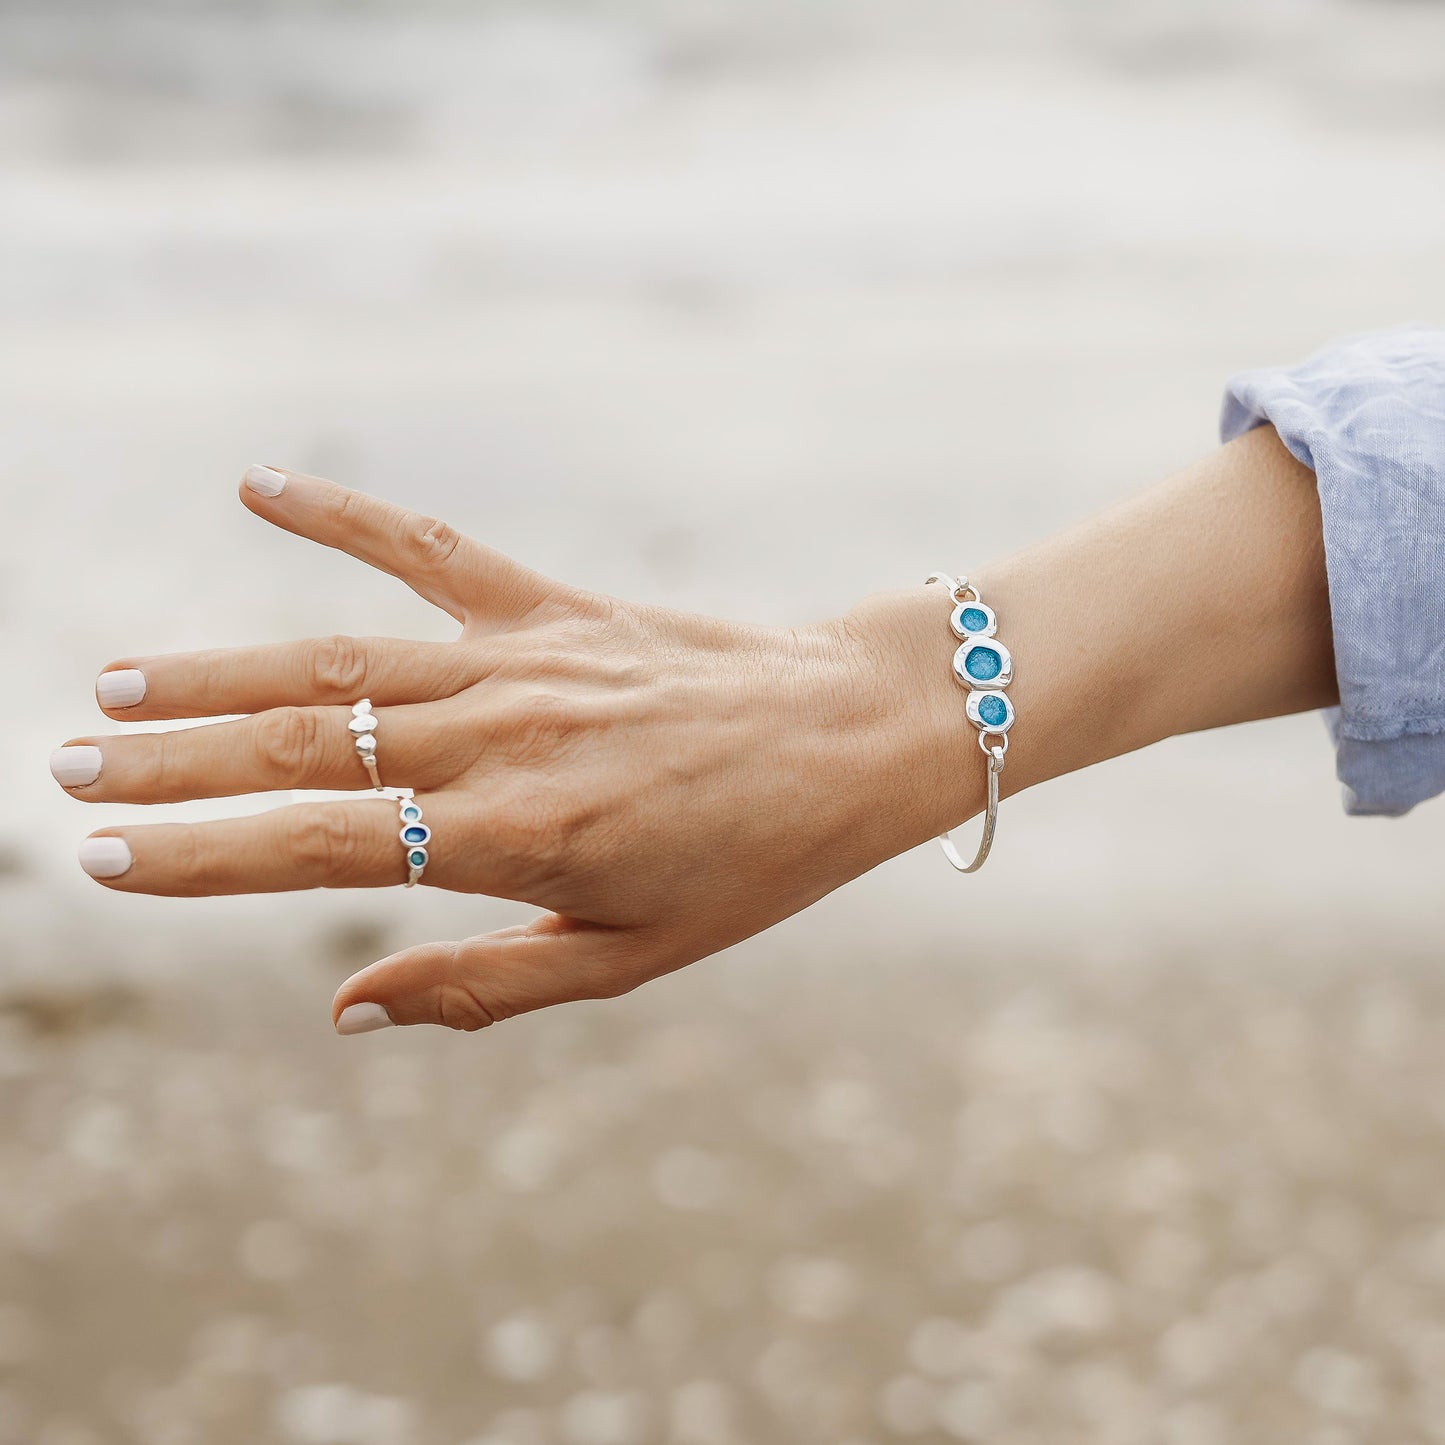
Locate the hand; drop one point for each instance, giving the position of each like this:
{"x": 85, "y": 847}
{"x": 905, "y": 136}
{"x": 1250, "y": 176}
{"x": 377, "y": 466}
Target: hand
{"x": 663, "y": 784}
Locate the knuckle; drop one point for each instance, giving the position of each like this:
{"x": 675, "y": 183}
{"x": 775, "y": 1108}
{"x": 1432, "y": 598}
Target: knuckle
{"x": 541, "y": 721}
{"x": 431, "y": 543}
{"x": 195, "y": 864}
{"x": 288, "y": 742}
{"x": 337, "y": 667}
{"x": 213, "y": 675}
{"x": 459, "y": 1006}
{"x": 343, "y": 507}
{"x": 596, "y": 608}
{"x": 322, "y": 841}
{"x": 191, "y": 865}
{"x": 288, "y": 739}
{"x": 155, "y": 767}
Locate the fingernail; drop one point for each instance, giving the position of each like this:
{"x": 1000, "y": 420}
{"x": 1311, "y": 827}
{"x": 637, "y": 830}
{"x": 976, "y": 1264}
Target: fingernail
{"x": 363, "y": 1018}
{"x": 75, "y": 766}
{"x": 124, "y": 687}
{"x": 266, "y": 481}
{"x": 105, "y": 857}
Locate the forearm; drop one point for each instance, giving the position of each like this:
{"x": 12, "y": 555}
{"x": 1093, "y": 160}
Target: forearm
{"x": 664, "y": 785}
{"x": 1199, "y": 603}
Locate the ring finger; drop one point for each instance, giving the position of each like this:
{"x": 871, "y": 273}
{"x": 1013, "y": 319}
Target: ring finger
{"x": 287, "y": 747}
{"x": 309, "y": 845}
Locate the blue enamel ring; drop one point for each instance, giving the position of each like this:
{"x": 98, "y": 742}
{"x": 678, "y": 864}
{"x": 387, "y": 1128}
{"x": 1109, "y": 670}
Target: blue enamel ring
{"x": 414, "y": 835}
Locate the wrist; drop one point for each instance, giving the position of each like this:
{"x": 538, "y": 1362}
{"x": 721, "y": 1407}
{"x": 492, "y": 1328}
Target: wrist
{"x": 1068, "y": 711}
{"x": 928, "y": 771}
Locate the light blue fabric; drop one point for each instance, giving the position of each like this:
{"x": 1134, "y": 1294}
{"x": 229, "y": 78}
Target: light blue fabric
{"x": 1367, "y": 416}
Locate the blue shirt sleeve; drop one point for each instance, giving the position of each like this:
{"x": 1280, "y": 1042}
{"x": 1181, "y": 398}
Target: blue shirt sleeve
{"x": 1367, "y": 416}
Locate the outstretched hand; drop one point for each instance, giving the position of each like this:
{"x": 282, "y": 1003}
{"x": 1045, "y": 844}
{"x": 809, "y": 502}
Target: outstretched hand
{"x": 662, "y": 784}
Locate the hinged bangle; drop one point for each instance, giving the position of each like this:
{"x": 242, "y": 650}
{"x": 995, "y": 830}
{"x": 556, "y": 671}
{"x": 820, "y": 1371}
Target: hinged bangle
{"x": 985, "y": 667}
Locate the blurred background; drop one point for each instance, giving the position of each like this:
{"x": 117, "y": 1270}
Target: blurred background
{"x": 1139, "y": 1137}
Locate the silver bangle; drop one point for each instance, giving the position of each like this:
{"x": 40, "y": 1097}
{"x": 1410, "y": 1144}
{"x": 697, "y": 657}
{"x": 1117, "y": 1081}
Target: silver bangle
{"x": 985, "y": 667}
{"x": 362, "y": 728}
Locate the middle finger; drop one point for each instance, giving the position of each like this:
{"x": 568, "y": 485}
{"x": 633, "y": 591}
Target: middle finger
{"x": 286, "y": 747}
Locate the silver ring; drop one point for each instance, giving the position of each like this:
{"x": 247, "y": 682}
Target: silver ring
{"x": 414, "y": 835}
{"x": 362, "y": 728}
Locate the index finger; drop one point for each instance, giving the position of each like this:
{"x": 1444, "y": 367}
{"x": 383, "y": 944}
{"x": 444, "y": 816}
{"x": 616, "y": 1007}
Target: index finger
{"x": 456, "y": 573}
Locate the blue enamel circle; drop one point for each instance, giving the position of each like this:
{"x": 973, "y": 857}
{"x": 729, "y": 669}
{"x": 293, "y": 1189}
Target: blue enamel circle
{"x": 417, "y": 857}
{"x": 993, "y": 710}
{"x": 983, "y": 664}
{"x": 971, "y": 620}
{"x": 417, "y": 833}
{"x": 411, "y": 813}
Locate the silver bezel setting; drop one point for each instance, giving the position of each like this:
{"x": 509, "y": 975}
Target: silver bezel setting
{"x": 974, "y": 701}
{"x": 1000, "y": 680}
{"x": 409, "y": 813}
{"x": 955, "y": 620}
{"x": 992, "y": 740}
{"x": 362, "y": 728}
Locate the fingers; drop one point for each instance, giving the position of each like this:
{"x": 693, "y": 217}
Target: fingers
{"x": 457, "y": 574}
{"x": 319, "y": 670}
{"x": 291, "y": 747}
{"x": 480, "y": 981}
{"x": 312, "y": 845}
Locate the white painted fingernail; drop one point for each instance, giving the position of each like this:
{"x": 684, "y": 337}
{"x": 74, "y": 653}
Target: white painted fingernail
{"x": 266, "y": 481}
{"x": 75, "y": 766}
{"x": 105, "y": 857}
{"x": 363, "y": 1018}
{"x": 124, "y": 687}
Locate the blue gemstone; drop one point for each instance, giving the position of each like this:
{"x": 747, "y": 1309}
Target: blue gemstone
{"x": 415, "y": 835}
{"x": 411, "y": 813}
{"x": 983, "y": 664}
{"x": 417, "y": 858}
{"x": 973, "y": 619}
{"x": 993, "y": 710}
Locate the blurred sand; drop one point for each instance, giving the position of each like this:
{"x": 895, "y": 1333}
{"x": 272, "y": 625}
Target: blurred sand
{"x": 1134, "y": 1138}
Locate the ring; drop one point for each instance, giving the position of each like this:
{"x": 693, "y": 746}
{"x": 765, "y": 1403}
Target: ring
{"x": 415, "y": 835}
{"x": 363, "y": 727}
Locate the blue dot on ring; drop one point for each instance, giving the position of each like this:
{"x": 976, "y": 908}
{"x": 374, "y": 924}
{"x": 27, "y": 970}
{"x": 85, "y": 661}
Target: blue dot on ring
{"x": 410, "y": 813}
{"x": 983, "y": 663}
{"x": 993, "y": 710}
{"x": 973, "y": 619}
{"x": 417, "y": 833}
{"x": 417, "y": 857}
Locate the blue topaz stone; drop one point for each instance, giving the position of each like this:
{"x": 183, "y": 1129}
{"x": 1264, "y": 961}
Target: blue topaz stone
{"x": 973, "y": 619}
{"x": 983, "y": 663}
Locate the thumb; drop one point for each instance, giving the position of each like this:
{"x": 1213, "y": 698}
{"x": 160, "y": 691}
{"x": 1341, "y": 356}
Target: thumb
{"x": 483, "y": 980}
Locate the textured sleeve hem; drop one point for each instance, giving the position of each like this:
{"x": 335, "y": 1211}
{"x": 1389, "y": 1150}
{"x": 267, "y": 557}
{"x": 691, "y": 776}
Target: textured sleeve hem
{"x": 1367, "y": 416}
{"x": 1385, "y": 777}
